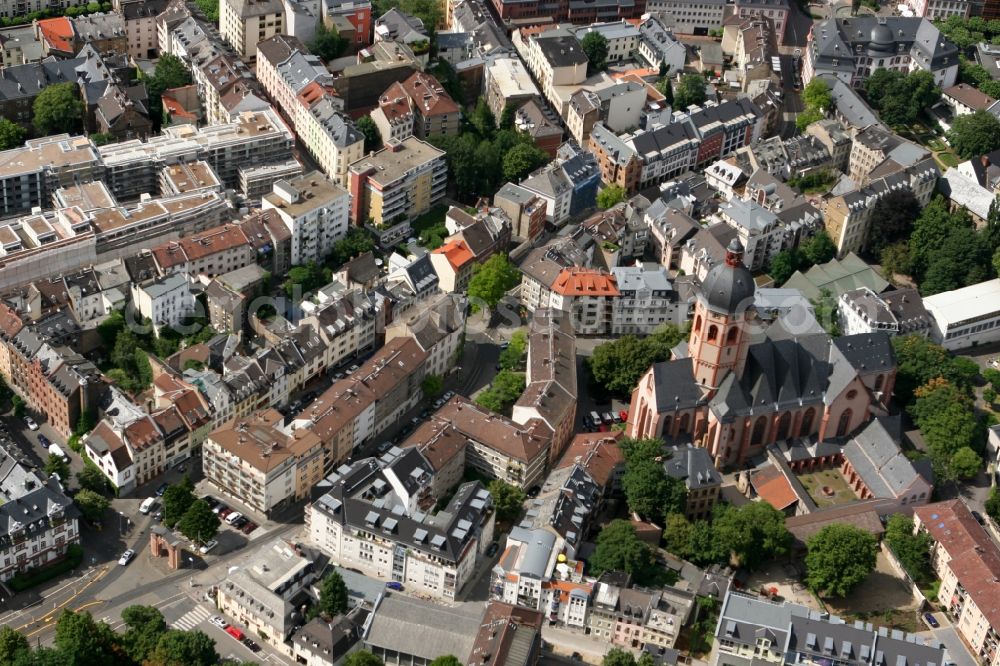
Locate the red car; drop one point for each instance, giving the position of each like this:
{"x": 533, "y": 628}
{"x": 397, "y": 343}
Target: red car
{"x": 235, "y": 633}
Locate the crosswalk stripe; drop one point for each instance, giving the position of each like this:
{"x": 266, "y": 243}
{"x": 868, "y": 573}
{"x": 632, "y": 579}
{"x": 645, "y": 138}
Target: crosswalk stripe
{"x": 191, "y": 619}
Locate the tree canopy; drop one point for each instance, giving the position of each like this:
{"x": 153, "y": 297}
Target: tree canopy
{"x": 840, "y": 557}
{"x": 690, "y": 90}
{"x": 491, "y": 280}
{"x": 617, "y": 365}
{"x": 610, "y": 196}
{"x": 12, "y": 135}
{"x": 199, "y": 523}
{"x": 508, "y": 500}
{"x": 58, "y": 110}
{"x": 333, "y": 595}
{"x": 975, "y": 134}
{"x": 619, "y": 549}
{"x": 595, "y": 46}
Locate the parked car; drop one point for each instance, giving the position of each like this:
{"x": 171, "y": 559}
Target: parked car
{"x": 218, "y": 621}
{"x": 394, "y": 585}
{"x": 30, "y": 422}
{"x": 931, "y": 620}
{"x": 207, "y": 548}
{"x": 126, "y": 557}
{"x": 162, "y": 489}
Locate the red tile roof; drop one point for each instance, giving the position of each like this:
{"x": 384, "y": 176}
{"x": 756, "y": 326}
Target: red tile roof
{"x": 456, "y": 252}
{"x": 585, "y": 282}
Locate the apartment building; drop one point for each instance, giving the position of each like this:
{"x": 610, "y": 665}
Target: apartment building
{"x": 244, "y": 23}
{"x": 396, "y": 184}
{"x": 847, "y": 216}
{"x": 377, "y": 518}
{"x": 140, "y": 25}
{"x": 315, "y": 210}
{"x": 647, "y": 299}
{"x": 260, "y": 594}
{"x": 358, "y": 408}
{"x": 261, "y": 463}
{"x": 851, "y": 49}
{"x": 438, "y": 330}
{"x": 897, "y": 312}
{"x": 967, "y": 562}
{"x": 165, "y": 301}
{"x": 550, "y": 394}
{"x": 751, "y": 628}
{"x": 39, "y": 522}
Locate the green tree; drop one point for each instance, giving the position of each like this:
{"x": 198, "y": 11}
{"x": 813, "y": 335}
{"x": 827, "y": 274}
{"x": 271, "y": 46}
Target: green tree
{"x": 373, "y": 138}
{"x": 13, "y": 645}
{"x": 753, "y": 533}
{"x": 677, "y": 533}
{"x": 512, "y": 358}
{"x": 508, "y": 500}
{"x": 91, "y": 504}
{"x": 618, "y": 657}
{"x": 362, "y": 658}
{"x": 328, "y": 45}
{"x": 199, "y": 524}
{"x": 521, "y": 160}
{"x": 974, "y": 134}
{"x": 333, "y": 595}
{"x": 690, "y": 90}
{"x": 11, "y": 134}
{"x": 651, "y": 492}
{"x": 619, "y": 549}
{"x": 491, "y": 280}
{"x": 58, "y": 109}
{"x": 446, "y": 660}
{"x": 819, "y": 249}
{"x": 91, "y": 478}
{"x": 177, "y": 499}
{"x": 610, "y": 196}
{"x": 966, "y": 463}
{"x": 56, "y": 465}
{"x": 840, "y": 557}
{"x": 893, "y": 217}
{"x": 783, "y": 265}
{"x": 912, "y": 550}
{"x": 184, "y": 648}
{"x": 90, "y": 643}
{"x": 145, "y": 625}
{"x": 595, "y": 46}
{"x": 432, "y": 386}
{"x": 816, "y": 95}
{"x": 617, "y": 365}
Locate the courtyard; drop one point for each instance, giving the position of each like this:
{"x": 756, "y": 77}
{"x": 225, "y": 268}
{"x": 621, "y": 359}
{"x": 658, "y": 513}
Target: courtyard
{"x": 827, "y": 487}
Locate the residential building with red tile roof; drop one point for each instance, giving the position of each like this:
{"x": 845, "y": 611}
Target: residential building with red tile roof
{"x": 967, "y": 561}
{"x": 453, "y": 263}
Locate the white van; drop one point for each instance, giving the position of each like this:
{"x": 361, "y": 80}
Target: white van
{"x": 147, "y": 506}
{"x": 56, "y": 450}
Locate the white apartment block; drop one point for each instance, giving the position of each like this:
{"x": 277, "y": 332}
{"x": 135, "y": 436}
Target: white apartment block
{"x": 243, "y": 23}
{"x": 315, "y": 210}
{"x": 165, "y": 301}
{"x": 376, "y": 519}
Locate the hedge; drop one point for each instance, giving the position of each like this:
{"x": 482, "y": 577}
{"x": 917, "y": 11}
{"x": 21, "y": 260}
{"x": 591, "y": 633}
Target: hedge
{"x": 22, "y": 581}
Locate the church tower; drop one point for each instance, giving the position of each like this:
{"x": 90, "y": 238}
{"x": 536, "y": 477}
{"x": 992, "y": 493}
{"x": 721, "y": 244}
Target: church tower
{"x": 720, "y": 332}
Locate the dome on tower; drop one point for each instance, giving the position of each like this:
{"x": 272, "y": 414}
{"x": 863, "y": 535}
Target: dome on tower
{"x": 730, "y": 283}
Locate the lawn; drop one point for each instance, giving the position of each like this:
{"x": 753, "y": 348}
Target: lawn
{"x": 813, "y": 482}
{"x": 430, "y": 227}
